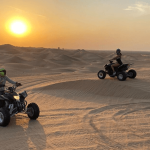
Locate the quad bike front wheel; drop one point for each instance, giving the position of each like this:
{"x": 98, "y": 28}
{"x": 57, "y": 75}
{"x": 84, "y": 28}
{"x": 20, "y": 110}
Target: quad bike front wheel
{"x": 4, "y": 117}
{"x": 33, "y": 111}
{"x": 121, "y": 76}
{"x": 131, "y": 74}
{"x": 101, "y": 74}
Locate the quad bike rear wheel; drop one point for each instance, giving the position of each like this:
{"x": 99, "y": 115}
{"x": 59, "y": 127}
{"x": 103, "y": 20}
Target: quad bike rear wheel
{"x": 33, "y": 111}
{"x": 4, "y": 117}
{"x": 101, "y": 74}
{"x": 131, "y": 74}
{"x": 121, "y": 76}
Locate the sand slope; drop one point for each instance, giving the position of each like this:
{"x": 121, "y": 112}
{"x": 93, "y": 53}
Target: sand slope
{"x": 78, "y": 110}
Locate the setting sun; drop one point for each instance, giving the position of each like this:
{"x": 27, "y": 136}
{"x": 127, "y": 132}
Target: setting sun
{"x": 18, "y": 27}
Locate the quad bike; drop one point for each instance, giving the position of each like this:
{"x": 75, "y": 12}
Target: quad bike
{"x": 12, "y": 103}
{"x": 120, "y": 71}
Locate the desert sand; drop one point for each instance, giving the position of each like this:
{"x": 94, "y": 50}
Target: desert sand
{"x": 78, "y": 111}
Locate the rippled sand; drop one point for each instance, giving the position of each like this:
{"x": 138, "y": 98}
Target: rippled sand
{"x": 78, "y": 111}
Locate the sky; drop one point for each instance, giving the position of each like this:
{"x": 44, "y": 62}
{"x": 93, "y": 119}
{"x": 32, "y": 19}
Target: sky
{"x": 78, "y": 24}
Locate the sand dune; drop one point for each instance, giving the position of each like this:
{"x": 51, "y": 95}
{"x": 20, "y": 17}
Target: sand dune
{"x": 94, "y": 87}
{"x": 78, "y": 111}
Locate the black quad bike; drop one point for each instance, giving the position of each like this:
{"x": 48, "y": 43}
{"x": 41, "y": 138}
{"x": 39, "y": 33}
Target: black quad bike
{"x": 12, "y": 103}
{"x": 120, "y": 72}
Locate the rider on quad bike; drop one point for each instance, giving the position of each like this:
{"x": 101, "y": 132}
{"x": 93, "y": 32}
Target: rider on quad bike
{"x": 12, "y": 103}
{"x": 118, "y": 61}
{"x": 117, "y": 69}
{"x": 3, "y": 79}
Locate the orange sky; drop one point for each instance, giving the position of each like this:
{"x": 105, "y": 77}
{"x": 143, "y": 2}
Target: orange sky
{"x": 79, "y": 24}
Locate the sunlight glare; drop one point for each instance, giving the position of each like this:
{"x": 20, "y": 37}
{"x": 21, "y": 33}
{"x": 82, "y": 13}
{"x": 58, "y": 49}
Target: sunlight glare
{"x": 18, "y": 27}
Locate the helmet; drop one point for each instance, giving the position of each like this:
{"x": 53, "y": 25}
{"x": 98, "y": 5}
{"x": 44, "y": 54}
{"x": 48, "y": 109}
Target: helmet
{"x": 2, "y": 72}
{"x": 118, "y": 51}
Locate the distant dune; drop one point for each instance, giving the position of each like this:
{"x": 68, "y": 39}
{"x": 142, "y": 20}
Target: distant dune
{"x": 78, "y": 111}
{"x": 55, "y": 60}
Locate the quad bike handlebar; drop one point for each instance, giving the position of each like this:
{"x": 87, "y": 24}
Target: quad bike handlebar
{"x": 12, "y": 88}
{"x": 18, "y": 84}
{"x": 110, "y": 61}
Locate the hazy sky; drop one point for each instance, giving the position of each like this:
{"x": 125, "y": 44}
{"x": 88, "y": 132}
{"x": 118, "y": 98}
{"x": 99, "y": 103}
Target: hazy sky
{"x": 79, "y": 24}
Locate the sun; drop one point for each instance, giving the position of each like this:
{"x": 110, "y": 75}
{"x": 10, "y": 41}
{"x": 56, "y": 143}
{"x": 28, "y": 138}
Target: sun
{"x": 18, "y": 27}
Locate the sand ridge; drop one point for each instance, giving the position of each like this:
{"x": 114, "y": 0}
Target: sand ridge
{"x": 78, "y": 111}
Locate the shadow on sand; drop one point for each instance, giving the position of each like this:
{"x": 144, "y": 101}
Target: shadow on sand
{"x": 23, "y": 133}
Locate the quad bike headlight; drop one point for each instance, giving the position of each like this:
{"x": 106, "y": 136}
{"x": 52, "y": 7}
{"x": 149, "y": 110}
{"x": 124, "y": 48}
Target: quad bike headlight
{"x": 17, "y": 97}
